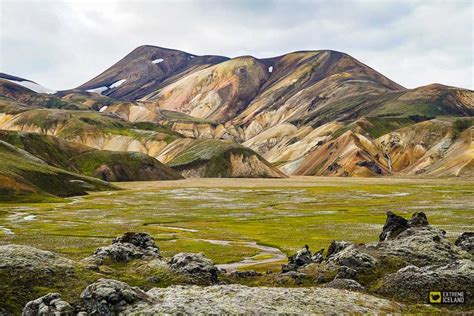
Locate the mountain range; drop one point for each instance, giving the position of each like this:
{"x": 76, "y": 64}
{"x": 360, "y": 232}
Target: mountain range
{"x": 166, "y": 114}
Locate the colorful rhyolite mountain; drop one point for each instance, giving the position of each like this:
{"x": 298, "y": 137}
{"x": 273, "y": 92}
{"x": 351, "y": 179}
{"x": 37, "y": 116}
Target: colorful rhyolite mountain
{"x": 303, "y": 113}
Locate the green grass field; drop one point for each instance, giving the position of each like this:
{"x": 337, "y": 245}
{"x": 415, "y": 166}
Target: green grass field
{"x": 187, "y": 215}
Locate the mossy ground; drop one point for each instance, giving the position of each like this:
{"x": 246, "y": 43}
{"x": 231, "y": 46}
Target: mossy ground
{"x": 182, "y": 217}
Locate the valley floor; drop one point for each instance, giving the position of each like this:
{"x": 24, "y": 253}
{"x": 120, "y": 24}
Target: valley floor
{"x": 251, "y": 223}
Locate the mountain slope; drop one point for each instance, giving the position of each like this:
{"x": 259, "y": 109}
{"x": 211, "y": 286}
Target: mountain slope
{"x": 302, "y": 83}
{"x": 436, "y": 147}
{"x": 26, "y": 177}
{"x": 106, "y": 165}
{"x": 30, "y": 85}
{"x": 348, "y": 155}
{"x": 21, "y": 93}
{"x": 213, "y": 158}
{"x": 144, "y": 69}
{"x": 219, "y": 92}
{"x": 131, "y": 144}
{"x": 425, "y": 102}
{"x": 431, "y": 148}
{"x": 244, "y": 87}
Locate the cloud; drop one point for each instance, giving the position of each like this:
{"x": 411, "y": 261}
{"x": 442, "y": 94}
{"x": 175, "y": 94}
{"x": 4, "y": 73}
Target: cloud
{"x": 62, "y": 44}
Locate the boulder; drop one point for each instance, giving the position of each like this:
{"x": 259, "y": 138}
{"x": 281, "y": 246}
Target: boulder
{"x": 337, "y": 246}
{"x": 196, "y": 266}
{"x": 302, "y": 258}
{"x": 317, "y": 257}
{"x": 292, "y": 276}
{"x": 108, "y": 297}
{"x": 24, "y": 270}
{"x": 234, "y": 299}
{"x": 141, "y": 240}
{"x": 345, "y": 284}
{"x": 19, "y": 259}
{"x": 125, "y": 248}
{"x": 466, "y": 242}
{"x": 394, "y": 225}
{"x": 421, "y": 246}
{"x": 418, "y": 219}
{"x": 352, "y": 257}
{"x": 411, "y": 283}
{"x": 346, "y": 273}
{"x": 320, "y": 272}
{"x": 49, "y": 305}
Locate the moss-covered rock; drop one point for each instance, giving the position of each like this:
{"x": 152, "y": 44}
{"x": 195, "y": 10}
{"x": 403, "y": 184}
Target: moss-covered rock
{"x": 412, "y": 283}
{"x": 25, "y": 272}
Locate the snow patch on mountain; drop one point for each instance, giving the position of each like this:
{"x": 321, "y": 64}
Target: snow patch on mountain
{"x": 270, "y": 69}
{"x": 98, "y": 90}
{"x": 157, "y": 61}
{"x": 32, "y": 86}
{"x": 117, "y": 84}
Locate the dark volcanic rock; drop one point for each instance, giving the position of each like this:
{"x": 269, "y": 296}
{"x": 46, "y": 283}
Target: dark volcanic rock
{"x": 196, "y": 266}
{"x": 302, "y": 258}
{"x": 466, "y": 242}
{"x": 419, "y": 219}
{"x": 125, "y": 248}
{"x": 337, "y": 246}
{"x": 394, "y": 225}
{"x": 317, "y": 257}
{"x": 142, "y": 240}
{"x": 49, "y": 305}
{"x": 108, "y": 297}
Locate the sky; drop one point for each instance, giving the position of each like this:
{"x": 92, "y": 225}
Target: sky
{"x": 62, "y": 44}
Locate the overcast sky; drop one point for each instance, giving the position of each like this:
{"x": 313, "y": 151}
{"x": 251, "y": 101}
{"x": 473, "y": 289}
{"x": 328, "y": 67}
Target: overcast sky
{"x": 62, "y": 44}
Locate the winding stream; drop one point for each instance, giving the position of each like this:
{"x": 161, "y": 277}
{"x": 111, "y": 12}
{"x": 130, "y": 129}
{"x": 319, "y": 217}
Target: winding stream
{"x": 275, "y": 253}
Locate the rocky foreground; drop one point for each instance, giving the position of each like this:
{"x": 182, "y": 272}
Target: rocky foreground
{"x": 392, "y": 275}
{"x": 237, "y": 299}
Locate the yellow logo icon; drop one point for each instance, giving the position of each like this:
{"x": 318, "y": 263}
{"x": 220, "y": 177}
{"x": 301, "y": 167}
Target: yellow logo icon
{"x": 435, "y": 297}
